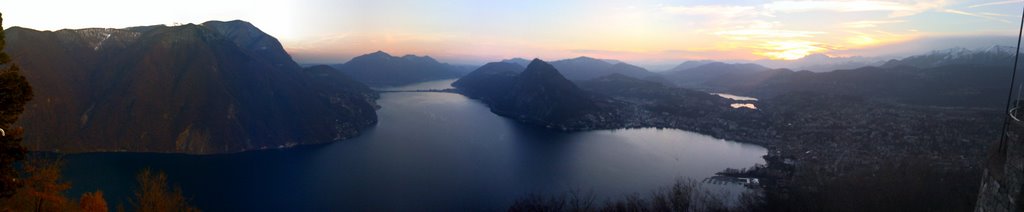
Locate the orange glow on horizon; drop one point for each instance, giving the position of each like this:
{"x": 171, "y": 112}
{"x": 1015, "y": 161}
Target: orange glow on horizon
{"x": 648, "y": 31}
{"x": 789, "y": 50}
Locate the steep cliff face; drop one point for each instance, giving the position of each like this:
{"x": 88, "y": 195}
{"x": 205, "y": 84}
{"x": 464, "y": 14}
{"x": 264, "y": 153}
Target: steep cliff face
{"x": 1003, "y": 181}
{"x": 211, "y": 88}
{"x": 254, "y": 42}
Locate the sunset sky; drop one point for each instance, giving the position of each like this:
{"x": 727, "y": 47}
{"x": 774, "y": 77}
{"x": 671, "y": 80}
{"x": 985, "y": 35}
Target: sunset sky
{"x": 473, "y": 31}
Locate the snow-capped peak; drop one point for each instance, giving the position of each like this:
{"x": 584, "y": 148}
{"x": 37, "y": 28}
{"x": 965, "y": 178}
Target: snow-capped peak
{"x": 1000, "y": 49}
{"x": 961, "y": 52}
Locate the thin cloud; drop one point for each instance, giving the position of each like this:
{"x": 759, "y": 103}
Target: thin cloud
{"x": 710, "y": 10}
{"x": 896, "y": 9}
{"x": 995, "y": 3}
{"x": 952, "y": 11}
{"x": 998, "y": 15}
{"x": 672, "y": 55}
{"x": 743, "y": 34}
{"x": 870, "y": 24}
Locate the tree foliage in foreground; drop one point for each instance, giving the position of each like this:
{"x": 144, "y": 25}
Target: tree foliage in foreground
{"x": 14, "y": 93}
{"x": 93, "y": 202}
{"x": 42, "y": 190}
{"x": 684, "y": 195}
{"x": 153, "y": 194}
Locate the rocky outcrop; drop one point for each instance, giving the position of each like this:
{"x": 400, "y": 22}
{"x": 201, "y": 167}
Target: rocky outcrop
{"x": 1003, "y": 180}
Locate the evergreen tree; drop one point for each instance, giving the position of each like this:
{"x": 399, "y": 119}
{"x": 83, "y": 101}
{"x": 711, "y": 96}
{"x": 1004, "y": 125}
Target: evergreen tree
{"x": 14, "y": 93}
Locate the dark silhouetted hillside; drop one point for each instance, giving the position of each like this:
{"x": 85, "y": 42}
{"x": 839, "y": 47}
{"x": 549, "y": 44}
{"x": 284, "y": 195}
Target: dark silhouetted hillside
{"x": 382, "y": 69}
{"x": 541, "y": 95}
{"x": 822, "y": 63}
{"x": 211, "y": 88}
{"x": 538, "y": 95}
{"x": 489, "y": 81}
{"x": 586, "y": 68}
{"x": 691, "y": 64}
{"x": 954, "y": 77}
{"x": 966, "y": 85}
{"x": 625, "y": 86}
{"x": 993, "y": 56}
{"x": 519, "y": 61}
{"x": 696, "y": 76}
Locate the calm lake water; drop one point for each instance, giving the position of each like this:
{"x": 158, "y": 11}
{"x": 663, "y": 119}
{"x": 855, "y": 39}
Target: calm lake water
{"x": 436, "y": 84}
{"x": 747, "y": 101}
{"x": 430, "y": 151}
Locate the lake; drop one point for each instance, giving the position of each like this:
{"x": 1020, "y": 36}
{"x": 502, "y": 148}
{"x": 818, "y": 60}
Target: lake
{"x": 429, "y": 85}
{"x": 429, "y": 151}
{"x": 747, "y": 101}
{"x": 735, "y": 97}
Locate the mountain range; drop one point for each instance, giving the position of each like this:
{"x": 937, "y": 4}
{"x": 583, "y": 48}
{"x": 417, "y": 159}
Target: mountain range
{"x": 995, "y": 55}
{"x": 952, "y": 77}
{"x": 821, "y": 63}
{"x": 586, "y": 68}
{"x": 695, "y": 75}
{"x": 211, "y": 88}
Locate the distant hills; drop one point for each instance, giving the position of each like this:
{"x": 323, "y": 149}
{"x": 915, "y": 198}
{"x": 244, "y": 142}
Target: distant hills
{"x": 904, "y": 88}
{"x": 821, "y": 63}
{"x": 518, "y": 61}
{"x": 586, "y": 68}
{"x": 995, "y": 56}
{"x": 382, "y": 69}
{"x": 952, "y": 77}
{"x": 690, "y": 64}
{"x": 210, "y": 88}
{"x": 955, "y": 77}
{"x": 692, "y": 75}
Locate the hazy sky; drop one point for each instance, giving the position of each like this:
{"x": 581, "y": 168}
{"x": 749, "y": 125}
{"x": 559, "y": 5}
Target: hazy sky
{"x": 474, "y": 31}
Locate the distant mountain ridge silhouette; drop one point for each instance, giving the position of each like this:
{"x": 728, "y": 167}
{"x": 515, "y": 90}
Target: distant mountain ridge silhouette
{"x": 382, "y": 69}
